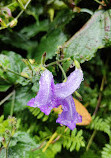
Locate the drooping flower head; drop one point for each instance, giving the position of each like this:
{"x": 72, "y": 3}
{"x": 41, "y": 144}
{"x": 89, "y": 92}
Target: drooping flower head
{"x": 52, "y": 95}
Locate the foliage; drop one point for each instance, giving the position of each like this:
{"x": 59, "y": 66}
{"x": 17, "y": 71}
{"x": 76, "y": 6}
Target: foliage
{"x": 35, "y": 35}
{"x": 106, "y": 151}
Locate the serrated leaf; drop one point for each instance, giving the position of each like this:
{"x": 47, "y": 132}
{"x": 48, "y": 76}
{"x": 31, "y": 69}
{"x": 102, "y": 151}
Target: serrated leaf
{"x": 22, "y": 96}
{"x": 21, "y": 146}
{"x": 14, "y": 62}
{"x": 94, "y": 35}
{"x": 50, "y": 43}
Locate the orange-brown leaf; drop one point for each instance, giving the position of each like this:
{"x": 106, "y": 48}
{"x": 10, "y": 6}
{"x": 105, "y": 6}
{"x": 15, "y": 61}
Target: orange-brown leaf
{"x": 86, "y": 117}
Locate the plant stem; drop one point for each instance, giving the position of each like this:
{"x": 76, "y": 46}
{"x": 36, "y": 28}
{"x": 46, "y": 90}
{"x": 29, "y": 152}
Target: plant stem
{"x": 49, "y": 142}
{"x": 7, "y": 146}
{"x": 56, "y": 62}
{"x": 59, "y": 136}
{"x": 12, "y": 106}
{"x": 23, "y": 10}
{"x": 100, "y": 95}
{"x": 96, "y": 109}
{"x": 90, "y": 140}
{"x": 6, "y": 98}
{"x": 63, "y": 72}
{"x": 6, "y": 152}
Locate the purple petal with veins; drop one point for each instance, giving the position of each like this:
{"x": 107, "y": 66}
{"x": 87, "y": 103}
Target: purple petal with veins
{"x": 51, "y": 95}
{"x": 69, "y": 117}
{"x": 73, "y": 82}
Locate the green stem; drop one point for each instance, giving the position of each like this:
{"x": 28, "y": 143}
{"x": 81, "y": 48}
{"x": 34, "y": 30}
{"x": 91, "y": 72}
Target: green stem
{"x": 56, "y": 62}
{"x": 6, "y": 152}
{"x": 91, "y": 140}
{"x": 49, "y": 142}
{"x": 12, "y": 106}
{"x": 6, "y": 98}
{"x": 10, "y": 4}
{"x": 8, "y": 146}
{"x": 63, "y": 72}
{"x": 100, "y": 95}
{"x": 23, "y": 10}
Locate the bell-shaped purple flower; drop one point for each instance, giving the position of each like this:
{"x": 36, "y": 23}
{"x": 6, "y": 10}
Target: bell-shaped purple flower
{"x": 51, "y": 95}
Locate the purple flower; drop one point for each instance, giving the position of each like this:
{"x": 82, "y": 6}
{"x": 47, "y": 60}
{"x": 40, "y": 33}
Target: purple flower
{"x": 52, "y": 95}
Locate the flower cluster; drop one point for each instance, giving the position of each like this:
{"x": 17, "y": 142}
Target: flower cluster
{"x": 52, "y": 95}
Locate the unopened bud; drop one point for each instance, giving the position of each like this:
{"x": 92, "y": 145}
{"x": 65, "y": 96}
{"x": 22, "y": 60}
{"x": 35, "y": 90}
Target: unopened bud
{"x": 0, "y": 20}
{"x": 51, "y": 14}
{"x": 13, "y": 23}
{"x": 32, "y": 61}
{"x": 43, "y": 58}
{"x": 24, "y": 74}
{"x": 3, "y": 139}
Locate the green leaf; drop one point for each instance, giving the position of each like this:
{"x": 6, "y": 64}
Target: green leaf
{"x": 32, "y": 30}
{"x": 21, "y": 146}
{"x": 63, "y": 17}
{"x": 106, "y": 153}
{"x": 4, "y": 86}
{"x": 19, "y": 40}
{"x": 50, "y": 43}
{"x": 22, "y": 96}
{"x": 13, "y": 62}
{"x": 94, "y": 35}
{"x": 89, "y": 154}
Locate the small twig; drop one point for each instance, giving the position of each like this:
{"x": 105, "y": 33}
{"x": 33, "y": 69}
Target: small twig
{"x": 39, "y": 147}
{"x": 6, "y": 98}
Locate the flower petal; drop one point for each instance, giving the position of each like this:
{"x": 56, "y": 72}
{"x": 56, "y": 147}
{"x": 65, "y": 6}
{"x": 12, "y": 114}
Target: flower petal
{"x": 73, "y": 82}
{"x": 31, "y": 102}
{"x": 44, "y": 99}
{"x": 69, "y": 117}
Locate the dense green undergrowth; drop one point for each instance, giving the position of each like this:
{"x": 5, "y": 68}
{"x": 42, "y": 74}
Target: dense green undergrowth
{"x": 66, "y": 30}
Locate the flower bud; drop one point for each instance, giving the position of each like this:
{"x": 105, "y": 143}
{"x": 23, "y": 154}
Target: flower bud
{"x": 13, "y": 23}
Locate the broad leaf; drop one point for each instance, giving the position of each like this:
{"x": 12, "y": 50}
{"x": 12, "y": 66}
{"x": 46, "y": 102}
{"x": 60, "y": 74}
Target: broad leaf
{"x": 94, "y": 35}
{"x": 50, "y": 43}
